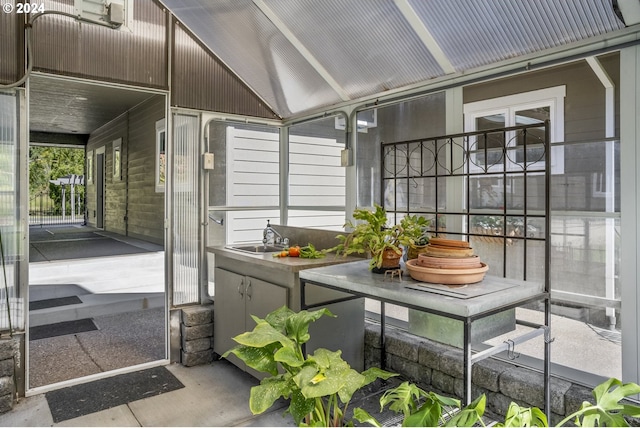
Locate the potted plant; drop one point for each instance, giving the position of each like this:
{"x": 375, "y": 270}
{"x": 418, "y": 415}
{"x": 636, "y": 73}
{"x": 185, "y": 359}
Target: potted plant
{"x": 372, "y": 236}
{"x": 415, "y": 235}
{"x": 319, "y": 386}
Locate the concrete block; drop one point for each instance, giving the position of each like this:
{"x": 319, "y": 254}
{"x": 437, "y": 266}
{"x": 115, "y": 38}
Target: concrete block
{"x": 6, "y": 367}
{"x": 197, "y": 315}
{"x": 196, "y": 345}
{"x": 451, "y": 363}
{"x": 413, "y": 371}
{"x": 197, "y": 331}
{"x": 525, "y": 385}
{"x": 371, "y": 336}
{"x": 6, "y": 403}
{"x": 575, "y": 396}
{"x": 190, "y": 359}
{"x": 442, "y": 382}
{"x": 8, "y": 348}
{"x": 402, "y": 344}
{"x": 429, "y": 353}
{"x": 486, "y": 373}
{"x": 6, "y": 385}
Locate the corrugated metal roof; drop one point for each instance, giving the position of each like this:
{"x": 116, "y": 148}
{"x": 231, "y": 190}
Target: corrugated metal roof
{"x": 301, "y": 55}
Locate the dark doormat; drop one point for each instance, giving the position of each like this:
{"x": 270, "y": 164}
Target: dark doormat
{"x": 52, "y": 303}
{"x": 80, "y": 400}
{"x": 61, "y": 328}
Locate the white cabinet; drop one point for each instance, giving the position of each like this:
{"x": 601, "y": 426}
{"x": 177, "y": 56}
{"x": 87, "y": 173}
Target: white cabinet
{"x": 237, "y": 297}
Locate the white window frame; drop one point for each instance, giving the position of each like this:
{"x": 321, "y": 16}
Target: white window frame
{"x": 508, "y": 105}
{"x": 161, "y": 129}
{"x": 116, "y": 153}
{"x": 90, "y": 163}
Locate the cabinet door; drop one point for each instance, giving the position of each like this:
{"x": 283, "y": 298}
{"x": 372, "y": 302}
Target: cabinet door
{"x": 262, "y": 297}
{"x": 228, "y": 312}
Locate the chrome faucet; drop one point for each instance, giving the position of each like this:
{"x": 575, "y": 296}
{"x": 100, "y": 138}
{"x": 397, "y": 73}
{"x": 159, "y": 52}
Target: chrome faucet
{"x": 270, "y": 236}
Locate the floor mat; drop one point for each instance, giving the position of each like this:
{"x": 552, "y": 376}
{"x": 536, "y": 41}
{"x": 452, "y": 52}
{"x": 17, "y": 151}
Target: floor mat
{"x": 52, "y": 303}
{"x": 80, "y": 400}
{"x": 61, "y": 328}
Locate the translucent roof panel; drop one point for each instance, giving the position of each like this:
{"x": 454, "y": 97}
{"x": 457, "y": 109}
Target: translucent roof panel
{"x": 303, "y": 55}
{"x": 252, "y": 47}
{"x": 367, "y": 46}
{"x": 481, "y": 32}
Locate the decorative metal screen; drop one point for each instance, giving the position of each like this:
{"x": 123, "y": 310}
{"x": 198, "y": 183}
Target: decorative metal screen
{"x": 487, "y": 187}
{"x": 11, "y": 232}
{"x": 184, "y": 156}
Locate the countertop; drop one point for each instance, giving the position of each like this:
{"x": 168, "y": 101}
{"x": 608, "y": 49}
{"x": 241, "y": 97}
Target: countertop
{"x": 487, "y": 296}
{"x": 288, "y": 264}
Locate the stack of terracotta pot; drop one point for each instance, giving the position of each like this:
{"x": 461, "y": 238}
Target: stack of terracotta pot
{"x": 447, "y": 261}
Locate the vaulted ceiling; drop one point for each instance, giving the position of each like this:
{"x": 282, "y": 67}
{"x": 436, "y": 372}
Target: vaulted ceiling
{"x": 301, "y": 55}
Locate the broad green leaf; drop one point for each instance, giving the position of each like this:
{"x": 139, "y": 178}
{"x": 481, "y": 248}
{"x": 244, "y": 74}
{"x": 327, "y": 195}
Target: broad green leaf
{"x": 373, "y": 373}
{"x": 608, "y": 410}
{"x": 260, "y": 359}
{"x": 300, "y": 406}
{"x": 277, "y": 319}
{"x": 262, "y": 335}
{"x": 428, "y": 415}
{"x": 289, "y": 356}
{"x": 470, "y": 414}
{"x": 264, "y": 395}
{"x": 297, "y": 325}
{"x": 524, "y": 417}
{"x": 364, "y": 417}
{"x": 403, "y": 398}
{"x": 352, "y": 382}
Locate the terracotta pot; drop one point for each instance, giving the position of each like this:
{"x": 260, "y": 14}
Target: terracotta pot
{"x": 446, "y": 276}
{"x": 414, "y": 250}
{"x": 390, "y": 259}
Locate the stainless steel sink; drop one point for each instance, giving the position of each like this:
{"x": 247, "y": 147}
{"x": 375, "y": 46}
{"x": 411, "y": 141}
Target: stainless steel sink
{"x": 256, "y": 248}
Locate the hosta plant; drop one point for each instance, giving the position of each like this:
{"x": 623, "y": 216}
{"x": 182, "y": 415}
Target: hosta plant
{"x": 319, "y": 386}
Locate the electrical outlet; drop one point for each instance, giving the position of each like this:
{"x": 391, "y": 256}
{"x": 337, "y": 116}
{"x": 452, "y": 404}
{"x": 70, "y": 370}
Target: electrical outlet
{"x": 208, "y": 161}
{"x": 346, "y": 158}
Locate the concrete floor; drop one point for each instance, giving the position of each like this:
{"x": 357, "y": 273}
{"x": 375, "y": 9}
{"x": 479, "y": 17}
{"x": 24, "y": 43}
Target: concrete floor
{"x": 215, "y": 394}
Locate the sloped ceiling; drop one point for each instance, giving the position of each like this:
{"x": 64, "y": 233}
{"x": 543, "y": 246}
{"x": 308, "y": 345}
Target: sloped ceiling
{"x": 302, "y": 55}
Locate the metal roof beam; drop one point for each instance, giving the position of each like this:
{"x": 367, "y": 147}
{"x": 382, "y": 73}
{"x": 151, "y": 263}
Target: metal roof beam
{"x": 286, "y": 32}
{"x": 425, "y": 35}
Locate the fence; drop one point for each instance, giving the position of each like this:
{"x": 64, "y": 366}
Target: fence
{"x": 69, "y": 209}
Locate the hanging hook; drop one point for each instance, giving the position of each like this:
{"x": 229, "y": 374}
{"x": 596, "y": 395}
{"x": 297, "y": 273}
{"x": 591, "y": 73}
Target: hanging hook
{"x": 511, "y": 349}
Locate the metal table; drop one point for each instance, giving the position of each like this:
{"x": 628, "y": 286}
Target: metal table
{"x": 467, "y": 304}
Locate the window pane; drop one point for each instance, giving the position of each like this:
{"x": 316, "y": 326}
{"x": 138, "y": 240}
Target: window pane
{"x": 492, "y": 142}
{"x": 533, "y": 138}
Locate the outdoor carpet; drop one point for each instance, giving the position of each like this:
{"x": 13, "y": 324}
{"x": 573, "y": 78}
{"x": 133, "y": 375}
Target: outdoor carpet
{"x": 91, "y": 397}
{"x": 61, "y": 328}
{"x": 53, "y": 303}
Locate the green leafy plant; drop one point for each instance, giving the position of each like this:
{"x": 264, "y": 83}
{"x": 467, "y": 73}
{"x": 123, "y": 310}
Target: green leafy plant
{"x": 319, "y": 386}
{"x": 415, "y": 230}
{"x": 370, "y": 235}
{"x": 425, "y": 409}
{"x": 420, "y": 408}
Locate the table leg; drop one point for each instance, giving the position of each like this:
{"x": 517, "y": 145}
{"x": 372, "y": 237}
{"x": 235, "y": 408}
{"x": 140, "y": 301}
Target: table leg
{"x": 383, "y": 353}
{"x": 466, "y": 369}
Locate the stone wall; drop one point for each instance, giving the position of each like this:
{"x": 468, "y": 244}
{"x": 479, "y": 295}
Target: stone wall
{"x": 196, "y": 331}
{"x": 9, "y": 357}
{"x": 439, "y": 367}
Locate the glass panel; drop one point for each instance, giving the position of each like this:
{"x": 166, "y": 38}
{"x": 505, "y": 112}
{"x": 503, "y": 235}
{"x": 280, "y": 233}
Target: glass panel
{"x": 490, "y": 145}
{"x": 246, "y": 175}
{"x": 533, "y": 137}
{"x": 186, "y": 225}
{"x": 418, "y": 118}
{"x": 11, "y": 234}
{"x": 316, "y": 175}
